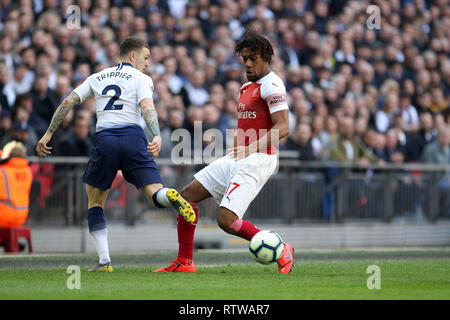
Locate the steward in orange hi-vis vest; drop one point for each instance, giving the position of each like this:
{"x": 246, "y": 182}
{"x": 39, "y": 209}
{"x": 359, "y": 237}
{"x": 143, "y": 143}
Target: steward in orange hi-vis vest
{"x": 15, "y": 186}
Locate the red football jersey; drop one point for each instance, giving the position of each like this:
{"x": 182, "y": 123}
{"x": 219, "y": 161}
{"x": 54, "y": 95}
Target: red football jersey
{"x": 257, "y": 101}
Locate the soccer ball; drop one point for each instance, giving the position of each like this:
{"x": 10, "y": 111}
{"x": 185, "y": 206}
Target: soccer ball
{"x": 266, "y": 247}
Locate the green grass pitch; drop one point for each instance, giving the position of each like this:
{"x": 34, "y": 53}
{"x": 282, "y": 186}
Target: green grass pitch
{"x": 341, "y": 274}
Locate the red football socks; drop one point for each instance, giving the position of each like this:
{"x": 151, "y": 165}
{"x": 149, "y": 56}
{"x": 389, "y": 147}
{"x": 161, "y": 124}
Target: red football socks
{"x": 186, "y": 232}
{"x": 244, "y": 229}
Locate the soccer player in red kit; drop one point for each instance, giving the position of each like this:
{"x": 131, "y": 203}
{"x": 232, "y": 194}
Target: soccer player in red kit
{"x": 235, "y": 179}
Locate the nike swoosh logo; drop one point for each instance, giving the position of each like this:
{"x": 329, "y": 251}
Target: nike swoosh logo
{"x": 284, "y": 265}
{"x": 169, "y": 268}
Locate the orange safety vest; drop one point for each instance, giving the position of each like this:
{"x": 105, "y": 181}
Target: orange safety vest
{"x": 15, "y": 186}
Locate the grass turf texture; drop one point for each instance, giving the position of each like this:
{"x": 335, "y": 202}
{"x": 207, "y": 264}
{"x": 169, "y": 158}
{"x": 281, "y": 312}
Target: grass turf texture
{"x": 405, "y": 274}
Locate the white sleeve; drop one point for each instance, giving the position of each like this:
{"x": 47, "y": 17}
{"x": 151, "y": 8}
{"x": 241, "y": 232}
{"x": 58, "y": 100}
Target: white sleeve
{"x": 274, "y": 93}
{"x": 84, "y": 90}
{"x": 144, "y": 88}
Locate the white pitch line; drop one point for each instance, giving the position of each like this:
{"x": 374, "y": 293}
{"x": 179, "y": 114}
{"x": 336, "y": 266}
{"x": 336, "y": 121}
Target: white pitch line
{"x": 39, "y": 255}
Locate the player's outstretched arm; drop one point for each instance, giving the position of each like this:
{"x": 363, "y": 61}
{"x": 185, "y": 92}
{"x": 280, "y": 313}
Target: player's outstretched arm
{"x": 151, "y": 119}
{"x": 61, "y": 112}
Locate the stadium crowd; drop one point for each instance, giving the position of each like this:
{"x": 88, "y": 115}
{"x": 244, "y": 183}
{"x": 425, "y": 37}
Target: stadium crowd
{"x": 355, "y": 93}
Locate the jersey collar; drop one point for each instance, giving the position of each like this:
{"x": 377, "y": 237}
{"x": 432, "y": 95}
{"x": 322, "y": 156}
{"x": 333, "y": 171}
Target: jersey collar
{"x": 120, "y": 65}
{"x": 261, "y": 79}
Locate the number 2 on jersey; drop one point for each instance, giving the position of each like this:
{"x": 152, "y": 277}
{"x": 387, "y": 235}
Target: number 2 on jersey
{"x": 117, "y": 92}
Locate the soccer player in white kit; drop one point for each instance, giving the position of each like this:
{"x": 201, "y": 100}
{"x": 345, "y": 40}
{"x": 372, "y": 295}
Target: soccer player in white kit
{"x": 123, "y": 95}
{"x": 235, "y": 179}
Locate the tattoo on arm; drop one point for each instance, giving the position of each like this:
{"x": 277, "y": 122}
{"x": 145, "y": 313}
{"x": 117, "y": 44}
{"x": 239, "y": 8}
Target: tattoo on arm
{"x": 151, "y": 119}
{"x": 62, "y": 111}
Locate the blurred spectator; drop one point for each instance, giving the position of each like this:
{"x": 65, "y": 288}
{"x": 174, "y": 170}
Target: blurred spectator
{"x": 233, "y": 72}
{"x": 332, "y": 66}
{"x": 62, "y": 87}
{"x": 194, "y": 92}
{"x": 393, "y": 151}
{"x": 77, "y": 143}
{"x": 319, "y": 137}
{"x": 409, "y": 113}
{"x": 380, "y": 70}
{"x": 310, "y": 48}
{"x": 374, "y": 142}
{"x": 194, "y": 119}
{"x": 289, "y": 49}
{"x": 321, "y": 8}
{"x": 384, "y": 118}
{"x": 347, "y": 147}
{"x": 21, "y": 132}
{"x": 175, "y": 119}
{"x": 28, "y": 56}
{"x": 399, "y": 127}
{"x": 5, "y": 122}
{"x": 45, "y": 103}
{"x": 331, "y": 128}
{"x": 5, "y": 50}
{"x": 294, "y": 77}
{"x": 439, "y": 150}
{"x": 7, "y": 94}
{"x": 360, "y": 128}
{"x": 301, "y": 142}
{"x": 416, "y": 142}
{"x": 438, "y": 103}
{"x": 439, "y": 120}
{"x": 15, "y": 185}
{"x": 212, "y": 117}
{"x": 174, "y": 81}
{"x": 23, "y": 78}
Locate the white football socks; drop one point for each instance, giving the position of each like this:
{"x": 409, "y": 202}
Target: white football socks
{"x": 161, "y": 198}
{"x": 101, "y": 243}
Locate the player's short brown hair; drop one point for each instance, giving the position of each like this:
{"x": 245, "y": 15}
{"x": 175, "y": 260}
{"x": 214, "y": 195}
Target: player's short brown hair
{"x": 131, "y": 44}
{"x": 256, "y": 43}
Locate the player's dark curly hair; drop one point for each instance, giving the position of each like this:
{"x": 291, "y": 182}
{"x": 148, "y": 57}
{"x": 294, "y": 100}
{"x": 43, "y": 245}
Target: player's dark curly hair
{"x": 255, "y": 43}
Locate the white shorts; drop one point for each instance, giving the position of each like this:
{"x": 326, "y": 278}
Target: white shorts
{"x": 234, "y": 184}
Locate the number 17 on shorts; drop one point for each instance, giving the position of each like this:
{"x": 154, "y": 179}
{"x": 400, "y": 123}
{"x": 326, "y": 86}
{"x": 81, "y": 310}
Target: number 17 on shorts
{"x": 237, "y": 198}
{"x": 231, "y": 187}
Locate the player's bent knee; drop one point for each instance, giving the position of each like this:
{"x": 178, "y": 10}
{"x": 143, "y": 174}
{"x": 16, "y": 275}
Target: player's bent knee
{"x": 221, "y": 223}
{"x": 187, "y": 194}
{"x": 225, "y": 219}
{"x": 150, "y": 189}
{"x": 97, "y": 200}
{"x": 194, "y": 192}
{"x": 95, "y": 204}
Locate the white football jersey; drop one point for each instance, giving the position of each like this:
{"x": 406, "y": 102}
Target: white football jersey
{"x": 118, "y": 91}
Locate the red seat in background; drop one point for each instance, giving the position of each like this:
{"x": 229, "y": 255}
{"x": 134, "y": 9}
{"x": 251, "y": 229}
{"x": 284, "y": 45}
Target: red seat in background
{"x": 9, "y": 238}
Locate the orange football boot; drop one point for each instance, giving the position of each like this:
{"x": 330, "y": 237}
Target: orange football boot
{"x": 176, "y": 266}
{"x": 286, "y": 261}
